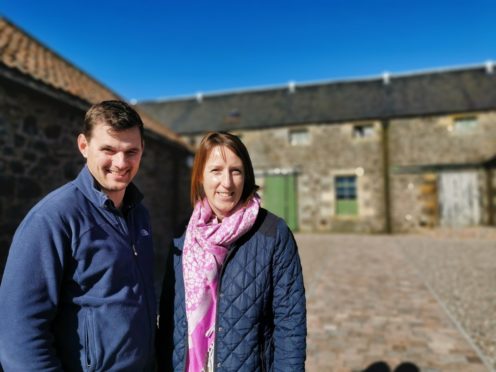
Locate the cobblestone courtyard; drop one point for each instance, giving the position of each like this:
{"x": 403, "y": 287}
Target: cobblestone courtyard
{"x": 425, "y": 299}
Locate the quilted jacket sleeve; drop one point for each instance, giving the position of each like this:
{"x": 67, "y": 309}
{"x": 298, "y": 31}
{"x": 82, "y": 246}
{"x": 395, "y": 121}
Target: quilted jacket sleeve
{"x": 29, "y": 296}
{"x": 289, "y": 304}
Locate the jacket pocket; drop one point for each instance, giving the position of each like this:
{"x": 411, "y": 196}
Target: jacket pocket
{"x": 89, "y": 354}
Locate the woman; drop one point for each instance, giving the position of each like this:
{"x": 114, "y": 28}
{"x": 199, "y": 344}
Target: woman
{"x": 233, "y": 297}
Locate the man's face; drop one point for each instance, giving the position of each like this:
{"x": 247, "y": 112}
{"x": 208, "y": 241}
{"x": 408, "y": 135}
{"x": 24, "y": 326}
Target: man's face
{"x": 113, "y": 158}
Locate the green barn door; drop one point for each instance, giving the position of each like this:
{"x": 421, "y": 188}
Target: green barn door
{"x": 279, "y": 197}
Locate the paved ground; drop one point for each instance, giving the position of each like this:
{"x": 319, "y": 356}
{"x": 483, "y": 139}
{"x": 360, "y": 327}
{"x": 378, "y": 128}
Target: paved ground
{"x": 421, "y": 299}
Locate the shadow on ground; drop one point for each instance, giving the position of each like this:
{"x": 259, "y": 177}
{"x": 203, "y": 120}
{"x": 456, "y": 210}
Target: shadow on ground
{"x": 384, "y": 367}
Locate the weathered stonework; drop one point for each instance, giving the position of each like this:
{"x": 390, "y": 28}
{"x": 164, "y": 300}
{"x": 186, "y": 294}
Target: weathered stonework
{"x": 31, "y": 162}
{"x": 164, "y": 178}
{"x": 419, "y": 149}
{"x": 432, "y": 140}
{"x": 332, "y": 150}
{"x": 38, "y": 153}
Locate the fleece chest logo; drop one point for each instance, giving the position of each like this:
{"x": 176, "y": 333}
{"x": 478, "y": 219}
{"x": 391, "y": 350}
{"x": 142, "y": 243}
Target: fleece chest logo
{"x": 144, "y": 232}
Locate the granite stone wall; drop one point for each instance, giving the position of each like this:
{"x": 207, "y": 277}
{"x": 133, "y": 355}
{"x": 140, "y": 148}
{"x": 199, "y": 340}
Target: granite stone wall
{"x": 38, "y": 153}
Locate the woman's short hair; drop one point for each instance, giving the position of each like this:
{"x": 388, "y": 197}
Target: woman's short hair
{"x": 233, "y": 143}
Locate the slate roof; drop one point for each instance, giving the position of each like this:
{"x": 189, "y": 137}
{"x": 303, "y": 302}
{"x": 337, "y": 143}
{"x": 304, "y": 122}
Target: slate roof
{"x": 23, "y": 57}
{"x": 418, "y": 94}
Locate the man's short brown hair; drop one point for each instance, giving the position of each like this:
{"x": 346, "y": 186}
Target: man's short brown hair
{"x": 117, "y": 114}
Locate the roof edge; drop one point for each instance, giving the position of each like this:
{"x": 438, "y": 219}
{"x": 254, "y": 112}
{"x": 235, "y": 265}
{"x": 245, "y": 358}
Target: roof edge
{"x": 58, "y": 55}
{"x": 296, "y": 85}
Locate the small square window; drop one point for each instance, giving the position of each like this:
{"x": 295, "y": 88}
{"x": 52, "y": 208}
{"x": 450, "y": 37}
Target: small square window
{"x": 363, "y": 131}
{"x": 465, "y": 124}
{"x": 299, "y": 137}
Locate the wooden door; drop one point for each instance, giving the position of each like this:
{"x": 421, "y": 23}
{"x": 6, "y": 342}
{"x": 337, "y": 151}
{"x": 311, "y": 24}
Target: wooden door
{"x": 279, "y": 197}
{"x": 459, "y": 199}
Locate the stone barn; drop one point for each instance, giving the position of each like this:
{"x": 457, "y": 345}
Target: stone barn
{"x": 388, "y": 154}
{"x": 43, "y": 99}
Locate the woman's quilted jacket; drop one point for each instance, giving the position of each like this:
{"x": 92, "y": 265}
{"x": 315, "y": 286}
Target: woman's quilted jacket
{"x": 261, "y": 314}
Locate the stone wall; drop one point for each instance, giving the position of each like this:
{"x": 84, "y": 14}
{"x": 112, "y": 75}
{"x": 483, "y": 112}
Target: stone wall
{"x": 164, "y": 178}
{"x": 415, "y": 199}
{"x": 434, "y": 140}
{"x": 333, "y": 150}
{"x": 411, "y": 207}
{"x": 38, "y": 153}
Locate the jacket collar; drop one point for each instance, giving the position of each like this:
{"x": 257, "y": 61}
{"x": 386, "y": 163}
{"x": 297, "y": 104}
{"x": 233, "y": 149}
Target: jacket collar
{"x": 91, "y": 190}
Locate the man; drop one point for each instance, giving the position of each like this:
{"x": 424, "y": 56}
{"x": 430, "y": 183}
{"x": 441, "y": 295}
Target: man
{"x": 77, "y": 292}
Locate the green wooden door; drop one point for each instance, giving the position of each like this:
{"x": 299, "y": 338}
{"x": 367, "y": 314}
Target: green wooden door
{"x": 279, "y": 197}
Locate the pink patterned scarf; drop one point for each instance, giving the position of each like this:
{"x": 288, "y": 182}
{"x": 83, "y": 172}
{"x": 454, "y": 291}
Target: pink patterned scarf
{"x": 205, "y": 249}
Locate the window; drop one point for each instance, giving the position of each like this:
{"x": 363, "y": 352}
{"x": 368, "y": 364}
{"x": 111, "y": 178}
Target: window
{"x": 299, "y": 137}
{"x": 363, "y": 131}
{"x": 464, "y": 124}
{"x": 346, "y": 195}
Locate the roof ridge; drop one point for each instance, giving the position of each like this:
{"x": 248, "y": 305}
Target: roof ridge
{"x": 295, "y": 85}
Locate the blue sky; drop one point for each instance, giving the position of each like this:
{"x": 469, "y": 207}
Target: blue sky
{"x": 162, "y": 49}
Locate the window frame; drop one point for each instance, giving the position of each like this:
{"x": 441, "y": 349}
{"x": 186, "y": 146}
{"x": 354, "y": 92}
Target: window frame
{"x": 305, "y": 142}
{"x": 362, "y": 131}
{"x": 346, "y": 195}
{"x": 459, "y": 124}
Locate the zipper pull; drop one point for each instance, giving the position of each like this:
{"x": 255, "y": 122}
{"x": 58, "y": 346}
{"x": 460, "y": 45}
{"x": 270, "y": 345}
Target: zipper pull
{"x": 134, "y": 250}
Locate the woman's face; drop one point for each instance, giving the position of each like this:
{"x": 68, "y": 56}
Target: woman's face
{"x": 223, "y": 180}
